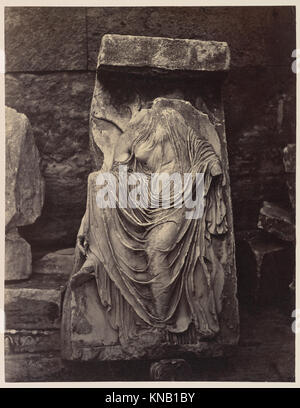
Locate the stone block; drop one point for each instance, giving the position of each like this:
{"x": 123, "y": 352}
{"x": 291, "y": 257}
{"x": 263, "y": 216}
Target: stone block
{"x": 88, "y": 333}
{"x": 24, "y": 185}
{"x": 17, "y": 257}
{"x": 58, "y": 262}
{"x": 162, "y": 54}
{"x": 34, "y": 304}
{"x": 24, "y": 192}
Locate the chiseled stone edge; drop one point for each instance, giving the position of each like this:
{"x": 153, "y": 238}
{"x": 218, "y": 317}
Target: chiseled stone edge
{"x": 140, "y": 352}
{"x": 120, "y": 51}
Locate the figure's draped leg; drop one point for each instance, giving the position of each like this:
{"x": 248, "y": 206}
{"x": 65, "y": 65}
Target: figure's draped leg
{"x": 160, "y": 239}
{"x": 159, "y": 269}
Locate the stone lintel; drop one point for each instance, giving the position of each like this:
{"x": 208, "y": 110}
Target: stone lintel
{"x": 127, "y": 52}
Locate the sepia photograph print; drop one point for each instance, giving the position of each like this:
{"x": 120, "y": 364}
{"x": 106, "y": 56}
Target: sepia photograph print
{"x": 150, "y": 177}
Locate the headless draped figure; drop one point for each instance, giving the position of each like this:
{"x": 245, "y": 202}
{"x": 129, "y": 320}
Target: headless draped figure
{"x": 154, "y": 266}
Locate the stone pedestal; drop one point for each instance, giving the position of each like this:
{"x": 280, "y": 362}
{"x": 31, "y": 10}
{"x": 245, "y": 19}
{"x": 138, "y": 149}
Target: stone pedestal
{"x": 133, "y": 73}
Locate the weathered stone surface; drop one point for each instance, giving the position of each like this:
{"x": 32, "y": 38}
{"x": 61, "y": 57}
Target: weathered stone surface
{"x": 17, "y": 257}
{"x": 93, "y": 338}
{"x": 45, "y": 38}
{"x": 24, "y": 185}
{"x": 170, "y": 370}
{"x": 58, "y": 262}
{"x": 34, "y": 304}
{"x": 162, "y": 53}
{"x": 277, "y": 221}
{"x": 31, "y": 341}
{"x": 268, "y": 29}
{"x": 57, "y": 105}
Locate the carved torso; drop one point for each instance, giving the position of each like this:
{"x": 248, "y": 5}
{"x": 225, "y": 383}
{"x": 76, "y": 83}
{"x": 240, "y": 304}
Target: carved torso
{"x": 160, "y": 159}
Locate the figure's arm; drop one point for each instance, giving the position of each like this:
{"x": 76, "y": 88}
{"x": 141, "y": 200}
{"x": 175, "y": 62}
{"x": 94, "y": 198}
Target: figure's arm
{"x": 81, "y": 240}
{"x": 216, "y": 215}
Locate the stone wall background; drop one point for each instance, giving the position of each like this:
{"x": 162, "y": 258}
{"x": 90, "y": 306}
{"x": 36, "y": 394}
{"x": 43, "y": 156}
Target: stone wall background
{"x": 50, "y": 70}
